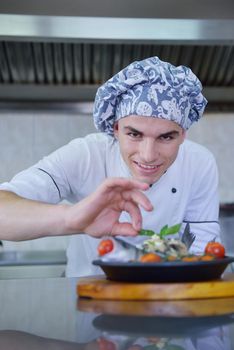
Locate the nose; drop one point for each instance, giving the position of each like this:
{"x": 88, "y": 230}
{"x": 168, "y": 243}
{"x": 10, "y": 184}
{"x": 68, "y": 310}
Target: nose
{"x": 148, "y": 151}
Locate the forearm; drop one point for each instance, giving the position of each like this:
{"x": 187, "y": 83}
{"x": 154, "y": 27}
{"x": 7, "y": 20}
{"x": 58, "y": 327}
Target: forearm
{"x": 97, "y": 214}
{"x": 23, "y": 219}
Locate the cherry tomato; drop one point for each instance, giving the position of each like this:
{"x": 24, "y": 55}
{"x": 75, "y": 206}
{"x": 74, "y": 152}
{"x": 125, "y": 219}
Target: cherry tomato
{"x": 105, "y": 246}
{"x": 216, "y": 249}
{"x": 150, "y": 257}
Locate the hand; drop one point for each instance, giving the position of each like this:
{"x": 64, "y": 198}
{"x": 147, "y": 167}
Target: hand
{"x": 99, "y": 213}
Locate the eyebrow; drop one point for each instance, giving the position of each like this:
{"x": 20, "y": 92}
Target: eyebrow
{"x": 130, "y": 128}
{"x": 166, "y": 134}
{"x": 170, "y": 133}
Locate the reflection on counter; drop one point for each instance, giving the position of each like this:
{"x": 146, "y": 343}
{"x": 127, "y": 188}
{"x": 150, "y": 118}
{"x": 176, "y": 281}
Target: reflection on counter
{"x": 131, "y": 333}
{"x": 173, "y": 325}
{"x": 39, "y": 314}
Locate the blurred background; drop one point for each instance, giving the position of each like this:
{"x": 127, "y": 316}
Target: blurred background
{"x": 55, "y": 54}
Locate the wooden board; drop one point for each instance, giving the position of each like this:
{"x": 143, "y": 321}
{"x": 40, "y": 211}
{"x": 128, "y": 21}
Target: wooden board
{"x": 100, "y": 288}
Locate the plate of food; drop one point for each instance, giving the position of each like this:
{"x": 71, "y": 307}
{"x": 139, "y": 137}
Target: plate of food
{"x": 154, "y": 257}
{"x": 176, "y": 271}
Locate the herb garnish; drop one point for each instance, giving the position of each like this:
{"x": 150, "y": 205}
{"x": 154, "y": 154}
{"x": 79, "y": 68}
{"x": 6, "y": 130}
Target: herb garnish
{"x": 165, "y": 230}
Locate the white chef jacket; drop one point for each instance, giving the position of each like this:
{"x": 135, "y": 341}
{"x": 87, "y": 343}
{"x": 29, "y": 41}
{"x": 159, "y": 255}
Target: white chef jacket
{"x": 187, "y": 192}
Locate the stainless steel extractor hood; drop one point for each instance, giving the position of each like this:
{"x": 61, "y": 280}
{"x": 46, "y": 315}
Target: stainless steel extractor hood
{"x": 63, "y": 50}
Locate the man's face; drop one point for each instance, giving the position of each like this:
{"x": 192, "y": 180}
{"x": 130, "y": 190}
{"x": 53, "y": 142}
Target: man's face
{"x": 148, "y": 145}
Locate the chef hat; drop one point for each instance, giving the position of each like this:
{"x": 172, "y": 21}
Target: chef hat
{"x": 151, "y": 88}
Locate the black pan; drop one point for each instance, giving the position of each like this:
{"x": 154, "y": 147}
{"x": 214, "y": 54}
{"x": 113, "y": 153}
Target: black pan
{"x": 176, "y": 271}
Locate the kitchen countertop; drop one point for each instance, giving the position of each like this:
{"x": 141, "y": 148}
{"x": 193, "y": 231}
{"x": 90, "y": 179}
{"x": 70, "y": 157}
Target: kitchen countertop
{"x": 45, "y": 257}
{"x": 46, "y": 313}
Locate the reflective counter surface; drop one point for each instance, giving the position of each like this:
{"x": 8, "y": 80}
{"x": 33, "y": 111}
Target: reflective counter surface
{"x": 43, "y": 314}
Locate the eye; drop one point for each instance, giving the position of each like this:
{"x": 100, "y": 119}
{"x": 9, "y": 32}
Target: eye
{"x": 134, "y": 134}
{"x": 166, "y": 138}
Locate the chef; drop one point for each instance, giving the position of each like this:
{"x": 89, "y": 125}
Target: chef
{"x": 138, "y": 171}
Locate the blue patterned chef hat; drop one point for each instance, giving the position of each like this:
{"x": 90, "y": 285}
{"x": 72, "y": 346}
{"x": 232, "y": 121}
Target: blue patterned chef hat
{"x": 151, "y": 88}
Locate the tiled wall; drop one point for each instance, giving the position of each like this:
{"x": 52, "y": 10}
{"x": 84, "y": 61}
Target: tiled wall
{"x": 216, "y": 132}
{"x": 27, "y": 135}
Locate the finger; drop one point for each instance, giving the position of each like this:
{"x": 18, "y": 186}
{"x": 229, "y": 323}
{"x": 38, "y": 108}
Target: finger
{"x": 139, "y": 198}
{"x": 135, "y": 214}
{"x": 123, "y": 229}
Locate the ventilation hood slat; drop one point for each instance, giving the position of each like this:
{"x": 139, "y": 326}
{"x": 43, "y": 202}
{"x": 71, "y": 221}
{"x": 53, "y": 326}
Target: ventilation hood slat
{"x": 104, "y": 29}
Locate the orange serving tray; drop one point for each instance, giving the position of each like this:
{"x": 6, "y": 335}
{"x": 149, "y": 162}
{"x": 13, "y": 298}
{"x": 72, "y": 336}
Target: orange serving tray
{"x": 98, "y": 287}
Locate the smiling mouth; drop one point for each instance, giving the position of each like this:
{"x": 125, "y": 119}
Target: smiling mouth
{"x": 147, "y": 167}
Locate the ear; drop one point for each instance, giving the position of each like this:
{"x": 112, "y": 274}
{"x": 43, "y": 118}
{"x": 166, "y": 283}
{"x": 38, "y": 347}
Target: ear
{"x": 116, "y": 130}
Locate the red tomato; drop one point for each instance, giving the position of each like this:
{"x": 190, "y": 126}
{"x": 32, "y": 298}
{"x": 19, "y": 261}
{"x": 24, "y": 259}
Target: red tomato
{"x": 216, "y": 249}
{"x": 105, "y": 246}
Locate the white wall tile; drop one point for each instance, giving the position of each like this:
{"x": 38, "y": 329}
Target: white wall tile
{"x": 80, "y": 126}
{"x": 216, "y": 132}
{"x": 16, "y": 136}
